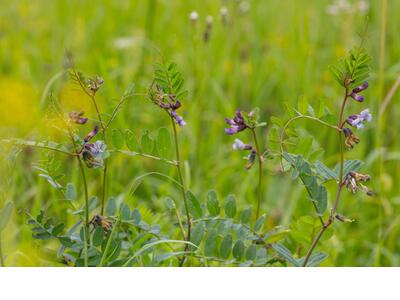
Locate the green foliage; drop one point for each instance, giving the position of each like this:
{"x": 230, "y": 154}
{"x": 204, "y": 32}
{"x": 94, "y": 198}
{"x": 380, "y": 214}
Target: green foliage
{"x": 5, "y": 215}
{"x": 169, "y": 79}
{"x": 353, "y": 70}
{"x": 302, "y": 169}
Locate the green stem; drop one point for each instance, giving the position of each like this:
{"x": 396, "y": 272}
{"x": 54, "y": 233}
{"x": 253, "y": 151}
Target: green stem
{"x": 85, "y": 188}
{"x": 260, "y": 161}
{"x": 1, "y": 254}
{"x": 178, "y": 168}
{"x": 331, "y": 217}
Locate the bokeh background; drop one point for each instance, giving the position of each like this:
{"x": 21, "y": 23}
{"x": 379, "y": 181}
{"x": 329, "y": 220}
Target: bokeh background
{"x": 261, "y": 54}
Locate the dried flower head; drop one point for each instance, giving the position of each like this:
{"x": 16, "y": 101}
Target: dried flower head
{"x": 77, "y": 118}
{"x": 351, "y": 138}
{"x": 354, "y": 182}
{"x": 251, "y": 159}
{"x": 102, "y": 222}
{"x": 94, "y": 84}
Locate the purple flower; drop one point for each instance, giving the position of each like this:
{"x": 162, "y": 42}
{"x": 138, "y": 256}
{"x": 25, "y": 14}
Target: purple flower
{"x": 237, "y": 124}
{"x": 77, "y": 118}
{"x": 358, "y": 89}
{"x": 358, "y": 120}
{"x": 357, "y": 97}
{"x": 239, "y": 145}
{"x": 178, "y": 119}
{"x": 94, "y": 154}
{"x": 91, "y": 134}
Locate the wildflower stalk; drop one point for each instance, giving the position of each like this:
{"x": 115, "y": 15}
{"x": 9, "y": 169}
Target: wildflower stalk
{"x": 331, "y": 217}
{"x": 180, "y": 177}
{"x": 85, "y": 188}
{"x": 260, "y": 161}
{"x": 103, "y": 126}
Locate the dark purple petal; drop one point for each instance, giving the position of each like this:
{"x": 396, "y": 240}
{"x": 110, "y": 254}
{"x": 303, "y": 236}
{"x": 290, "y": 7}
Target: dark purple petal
{"x": 230, "y": 122}
{"x": 232, "y": 130}
{"x": 357, "y": 97}
{"x": 91, "y": 134}
{"x": 360, "y": 88}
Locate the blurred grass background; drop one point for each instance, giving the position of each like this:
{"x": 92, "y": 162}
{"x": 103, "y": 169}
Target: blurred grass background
{"x": 265, "y": 54}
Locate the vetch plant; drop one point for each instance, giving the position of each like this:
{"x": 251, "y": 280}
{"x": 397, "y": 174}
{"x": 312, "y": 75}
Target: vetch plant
{"x": 240, "y": 122}
{"x": 352, "y": 74}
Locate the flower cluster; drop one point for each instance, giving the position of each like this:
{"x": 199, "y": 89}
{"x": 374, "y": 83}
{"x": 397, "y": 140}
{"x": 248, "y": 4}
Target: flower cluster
{"x": 236, "y": 124}
{"x": 357, "y": 120}
{"x": 94, "y": 84}
{"x": 169, "y": 103}
{"x": 94, "y": 154}
{"x": 354, "y": 93}
{"x": 354, "y": 182}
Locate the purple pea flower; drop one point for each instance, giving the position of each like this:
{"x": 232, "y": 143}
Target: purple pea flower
{"x": 94, "y": 154}
{"x": 239, "y": 145}
{"x": 237, "y": 123}
{"x": 358, "y": 120}
{"x": 358, "y": 89}
{"x": 178, "y": 119}
{"x": 91, "y": 134}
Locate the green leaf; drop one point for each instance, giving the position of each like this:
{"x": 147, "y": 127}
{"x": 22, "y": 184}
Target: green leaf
{"x": 230, "y": 206}
{"x": 163, "y": 142}
{"x": 349, "y": 166}
{"x": 261, "y": 257}
{"x": 111, "y": 207}
{"x": 212, "y": 203}
{"x": 70, "y": 192}
{"x": 324, "y": 172}
{"x": 117, "y": 138}
{"x": 246, "y": 215}
{"x": 302, "y": 104}
{"x": 317, "y": 192}
{"x": 226, "y": 246}
{"x": 211, "y": 242}
{"x": 98, "y": 236}
{"x": 197, "y": 234}
{"x": 5, "y": 215}
{"x": 131, "y": 141}
{"x": 194, "y": 205}
{"x": 285, "y": 253}
{"x": 147, "y": 143}
{"x": 58, "y": 229}
{"x": 278, "y": 122}
{"x": 125, "y": 213}
{"x": 136, "y": 216}
{"x": 316, "y": 259}
{"x": 259, "y": 223}
{"x": 238, "y": 250}
{"x": 251, "y": 252}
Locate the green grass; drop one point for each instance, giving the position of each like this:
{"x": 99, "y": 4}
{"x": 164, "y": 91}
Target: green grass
{"x": 279, "y": 51}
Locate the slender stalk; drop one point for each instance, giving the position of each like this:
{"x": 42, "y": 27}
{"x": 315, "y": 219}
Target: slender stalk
{"x": 85, "y": 188}
{"x": 1, "y": 254}
{"x": 331, "y": 217}
{"x": 260, "y": 161}
{"x": 180, "y": 177}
